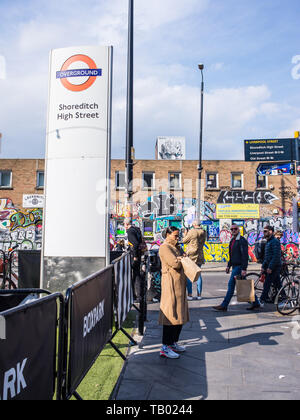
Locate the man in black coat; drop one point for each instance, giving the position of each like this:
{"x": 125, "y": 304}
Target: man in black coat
{"x": 135, "y": 240}
{"x": 238, "y": 261}
{"x": 272, "y": 264}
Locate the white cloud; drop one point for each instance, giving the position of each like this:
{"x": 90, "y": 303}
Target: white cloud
{"x": 290, "y": 131}
{"x": 167, "y": 102}
{"x": 217, "y": 66}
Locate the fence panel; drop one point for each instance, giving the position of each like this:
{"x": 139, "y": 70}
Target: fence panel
{"x": 28, "y": 349}
{"x": 123, "y": 287}
{"x": 91, "y": 320}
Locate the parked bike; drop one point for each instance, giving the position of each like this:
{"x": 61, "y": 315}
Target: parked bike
{"x": 6, "y": 269}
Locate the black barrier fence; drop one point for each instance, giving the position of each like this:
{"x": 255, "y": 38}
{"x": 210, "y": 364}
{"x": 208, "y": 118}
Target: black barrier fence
{"x": 90, "y": 309}
{"x": 53, "y": 342}
{"x": 123, "y": 288}
{"x": 29, "y": 345}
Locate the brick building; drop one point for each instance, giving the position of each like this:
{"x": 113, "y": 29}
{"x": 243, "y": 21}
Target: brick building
{"x": 165, "y": 193}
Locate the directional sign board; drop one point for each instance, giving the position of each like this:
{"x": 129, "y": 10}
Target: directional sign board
{"x": 269, "y": 150}
{"x": 275, "y": 169}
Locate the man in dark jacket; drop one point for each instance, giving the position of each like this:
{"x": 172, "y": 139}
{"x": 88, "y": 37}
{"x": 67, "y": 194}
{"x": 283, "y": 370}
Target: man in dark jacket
{"x": 238, "y": 261}
{"x": 135, "y": 240}
{"x": 272, "y": 264}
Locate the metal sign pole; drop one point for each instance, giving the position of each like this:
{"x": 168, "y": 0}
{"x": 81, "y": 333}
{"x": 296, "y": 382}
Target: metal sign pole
{"x": 129, "y": 116}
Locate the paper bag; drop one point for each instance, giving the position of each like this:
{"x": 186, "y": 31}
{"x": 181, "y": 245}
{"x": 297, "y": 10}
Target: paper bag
{"x": 191, "y": 269}
{"x": 245, "y": 290}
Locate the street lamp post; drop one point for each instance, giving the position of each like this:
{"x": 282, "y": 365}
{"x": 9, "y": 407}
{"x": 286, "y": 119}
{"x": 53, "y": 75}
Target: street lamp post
{"x": 200, "y": 168}
{"x": 129, "y": 112}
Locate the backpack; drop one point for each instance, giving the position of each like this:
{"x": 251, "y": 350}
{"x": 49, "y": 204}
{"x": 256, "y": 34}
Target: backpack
{"x": 143, "y": 246}
{"x": 259, "y": 250}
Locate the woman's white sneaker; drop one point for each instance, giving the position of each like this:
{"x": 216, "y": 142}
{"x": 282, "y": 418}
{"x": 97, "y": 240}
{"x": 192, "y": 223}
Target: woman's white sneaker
{"x": 167, "y": 351}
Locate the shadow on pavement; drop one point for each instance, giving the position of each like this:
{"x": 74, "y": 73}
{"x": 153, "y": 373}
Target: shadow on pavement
{"x": 210, "y": 340}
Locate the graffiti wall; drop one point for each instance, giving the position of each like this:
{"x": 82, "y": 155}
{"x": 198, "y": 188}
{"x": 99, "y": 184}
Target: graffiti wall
{"x": 164, "y": 210}
{"x": 19, "y": 227}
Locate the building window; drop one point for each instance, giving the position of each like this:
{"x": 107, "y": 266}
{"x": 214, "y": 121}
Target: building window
{"x": 237, "y": 180}
{"x": 261, "y": 181}
{"x": 5, "y": 179}
{"x": 175, "y": 181}
{"x": 120, "y": 180}
{"x": 40, "y": 179}
{"x": 148, "y": 180}
{"x": 211, "y": 181}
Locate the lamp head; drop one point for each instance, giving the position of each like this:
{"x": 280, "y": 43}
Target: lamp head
{"x": 201, "y": 66}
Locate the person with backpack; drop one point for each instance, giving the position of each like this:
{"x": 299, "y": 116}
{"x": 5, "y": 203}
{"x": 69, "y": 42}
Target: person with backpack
{"x": 259, "y": 250}
{"x": 271, "y": 265}
{"x": 135, "y": 242}
{"x": 238, "y": 261}
{"x": 194, "y": 240}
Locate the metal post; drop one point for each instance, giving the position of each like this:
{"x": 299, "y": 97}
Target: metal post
{"x": 297, "y": 173}
{"x": 200, "y": 168}
{"x": 129, "y": 115}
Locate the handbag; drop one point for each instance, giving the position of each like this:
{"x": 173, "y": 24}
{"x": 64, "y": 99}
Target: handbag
{"x": 191, "y": 269}
{"x": 245, "y": 289}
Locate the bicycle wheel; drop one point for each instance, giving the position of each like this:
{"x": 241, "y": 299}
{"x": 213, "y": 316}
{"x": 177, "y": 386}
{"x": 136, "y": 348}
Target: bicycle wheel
{"x": 287, "y": 300}
{"x": 258, "y": 285}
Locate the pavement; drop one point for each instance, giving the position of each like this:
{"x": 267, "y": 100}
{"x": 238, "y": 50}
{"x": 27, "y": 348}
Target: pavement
{"x": 238, "y": 355}
{"x": 221, "y": 266}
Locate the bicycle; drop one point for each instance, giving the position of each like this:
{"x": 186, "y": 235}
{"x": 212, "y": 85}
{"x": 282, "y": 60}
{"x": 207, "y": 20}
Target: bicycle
{"x": 287, "y": 300}
{"x": 7, "y": 259}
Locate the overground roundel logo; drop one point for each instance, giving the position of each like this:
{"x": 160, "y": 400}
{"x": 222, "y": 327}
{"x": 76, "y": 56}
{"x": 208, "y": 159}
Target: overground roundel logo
{"x": 87, "y": 75}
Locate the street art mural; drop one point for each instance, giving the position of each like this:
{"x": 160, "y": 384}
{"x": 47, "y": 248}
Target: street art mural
{"x": 246, "y": 197}
{"x": 22, "y": 228}
{"x": 164, "y": 210}
{"x": 216, "y": 252}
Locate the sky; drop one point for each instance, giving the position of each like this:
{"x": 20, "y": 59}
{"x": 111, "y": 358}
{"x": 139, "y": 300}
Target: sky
{"x": 250, "y": 49}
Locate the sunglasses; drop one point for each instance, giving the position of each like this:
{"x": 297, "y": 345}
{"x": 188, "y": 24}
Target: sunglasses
{"x": 233, "y": 229}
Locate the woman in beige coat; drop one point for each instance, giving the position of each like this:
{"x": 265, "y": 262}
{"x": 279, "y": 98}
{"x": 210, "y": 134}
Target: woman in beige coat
{"x": 174, "y": 312}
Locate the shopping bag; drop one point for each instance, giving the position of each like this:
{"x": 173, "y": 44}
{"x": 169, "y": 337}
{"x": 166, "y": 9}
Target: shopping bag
{"x": 191, "y": 269}
{"x": 245, "y": 290}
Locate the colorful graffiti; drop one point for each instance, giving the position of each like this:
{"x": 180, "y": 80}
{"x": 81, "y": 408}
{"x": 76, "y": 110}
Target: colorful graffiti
{"x": 164, "y": 210}
{"x": 216, "y": 252}
{"x": 22, "y": 228}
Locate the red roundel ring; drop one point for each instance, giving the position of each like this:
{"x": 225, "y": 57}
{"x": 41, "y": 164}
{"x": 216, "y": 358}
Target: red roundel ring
{"x": 91, "y": 80}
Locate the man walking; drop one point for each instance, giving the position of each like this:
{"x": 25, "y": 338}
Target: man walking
{"x": 238, "y": 253}
{"x": 271, "y": 265}
{"x": 135, "y": 240}
{"x": 195, "y": 240}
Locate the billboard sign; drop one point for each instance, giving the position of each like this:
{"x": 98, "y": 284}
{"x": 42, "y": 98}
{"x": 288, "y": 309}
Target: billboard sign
{"x": 275, "y": 169}
{"x": 269, "y": 150}
{"x": 78, "y": 154}
{"x": 170, "y": 148}
{"x": 33, "y": 201}
{"x": 237, "y": 211}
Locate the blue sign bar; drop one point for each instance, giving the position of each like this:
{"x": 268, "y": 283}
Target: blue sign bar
{"x": 79, "y": 73}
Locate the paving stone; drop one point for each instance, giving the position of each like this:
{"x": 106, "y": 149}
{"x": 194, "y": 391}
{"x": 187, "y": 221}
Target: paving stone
{"x": 230, "y": 356}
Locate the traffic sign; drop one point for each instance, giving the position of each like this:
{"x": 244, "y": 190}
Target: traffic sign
{"x": 269, "y": 150}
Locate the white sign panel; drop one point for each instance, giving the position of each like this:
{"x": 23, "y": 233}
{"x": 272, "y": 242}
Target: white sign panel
{"x": 171, "y": 148}
{"x": 78, "y": 153}
{"x": 31, "y": 201}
